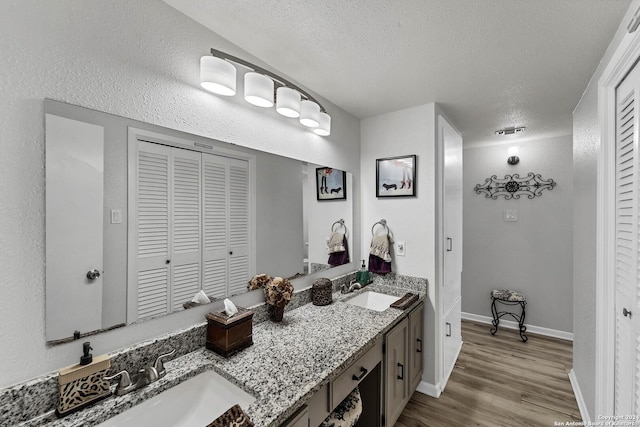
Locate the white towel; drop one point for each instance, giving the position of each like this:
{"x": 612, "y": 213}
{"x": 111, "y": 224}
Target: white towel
{"x": 336, "y": 243}
{"x": 380, "y": 247}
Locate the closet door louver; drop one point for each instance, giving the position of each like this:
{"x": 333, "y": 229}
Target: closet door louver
{"x": 186, "y": 226}
{"x": 153, "y": 234}
{"x": 215, "y": 225}
{"x": 238, "y": 226}
{"x": 627, "y": 339}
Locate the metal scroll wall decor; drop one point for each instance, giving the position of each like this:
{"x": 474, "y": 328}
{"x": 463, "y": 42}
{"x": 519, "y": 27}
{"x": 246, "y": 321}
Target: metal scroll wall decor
{"x": 513, "y": 186}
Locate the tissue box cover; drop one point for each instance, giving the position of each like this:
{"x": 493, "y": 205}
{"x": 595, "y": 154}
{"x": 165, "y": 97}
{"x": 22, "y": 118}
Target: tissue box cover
{"x": 227, "y": 335}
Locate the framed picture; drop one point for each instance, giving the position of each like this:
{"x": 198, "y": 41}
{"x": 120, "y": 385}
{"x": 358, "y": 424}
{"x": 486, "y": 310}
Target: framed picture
{"x": 396, "y": 176}
{"x": 331, "y": 184}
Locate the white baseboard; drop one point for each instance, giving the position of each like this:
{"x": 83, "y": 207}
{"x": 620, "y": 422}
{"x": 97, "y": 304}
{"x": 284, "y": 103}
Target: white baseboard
{"x": 429, "y": 389}
{"x": 582, "y": 405}
{"x": 510, "y": 324}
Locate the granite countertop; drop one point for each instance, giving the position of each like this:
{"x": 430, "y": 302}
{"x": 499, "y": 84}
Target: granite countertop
{"x": 287, "y": 363}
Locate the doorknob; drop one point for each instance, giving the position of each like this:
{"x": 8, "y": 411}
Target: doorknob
{"x": 626, "y": 312}
{"x": 93, "y": 274}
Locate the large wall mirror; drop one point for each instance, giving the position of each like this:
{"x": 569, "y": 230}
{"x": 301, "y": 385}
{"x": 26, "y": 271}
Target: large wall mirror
{"x": 139, "y": 218}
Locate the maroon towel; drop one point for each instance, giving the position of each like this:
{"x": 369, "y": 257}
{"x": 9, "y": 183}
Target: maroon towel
{"x": 378, "y": 265}
{"x": 340, "y": 258}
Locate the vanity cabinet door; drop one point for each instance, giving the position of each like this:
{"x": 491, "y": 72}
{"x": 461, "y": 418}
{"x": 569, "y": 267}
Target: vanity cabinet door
{"x": 416, "y": 355}
{"x": 396, "y": 371}
{"x": 299, "y": 419}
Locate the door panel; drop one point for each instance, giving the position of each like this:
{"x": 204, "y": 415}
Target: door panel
{"x": 627, "y": 338}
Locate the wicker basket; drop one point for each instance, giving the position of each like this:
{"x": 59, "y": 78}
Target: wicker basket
{"x": 321, "y": 292}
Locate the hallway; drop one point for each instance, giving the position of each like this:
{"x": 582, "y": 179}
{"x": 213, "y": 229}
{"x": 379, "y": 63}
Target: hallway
{"x": 501, "y": 381}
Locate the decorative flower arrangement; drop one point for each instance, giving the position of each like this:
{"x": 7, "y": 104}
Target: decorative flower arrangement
{"x": 278, "y": 292}
{"x": 259, "y": 281}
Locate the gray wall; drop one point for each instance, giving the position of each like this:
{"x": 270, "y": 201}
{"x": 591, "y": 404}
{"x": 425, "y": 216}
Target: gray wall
{"x": 585, "y": 157}
{"x": 534, "y": 254}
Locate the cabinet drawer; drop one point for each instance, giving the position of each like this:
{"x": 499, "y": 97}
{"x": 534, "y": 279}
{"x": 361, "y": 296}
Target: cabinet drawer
{"x": 351, "y": 377}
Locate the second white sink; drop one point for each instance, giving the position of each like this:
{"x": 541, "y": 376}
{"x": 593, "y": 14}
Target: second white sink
{"x": 373, "y": 300}
{"x": 195, "y": 402}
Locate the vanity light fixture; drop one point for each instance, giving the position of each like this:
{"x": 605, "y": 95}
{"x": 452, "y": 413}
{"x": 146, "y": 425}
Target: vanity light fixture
{"x": 309, "y": 114}
{"x": 324, "y": 126}
{"x": 218, "y": 75}
{"x": 258, "y": 90}
{"x": 288, "y": 102}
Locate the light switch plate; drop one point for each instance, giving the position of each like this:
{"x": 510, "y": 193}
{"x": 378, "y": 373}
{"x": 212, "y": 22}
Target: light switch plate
{"x": 510, "y": 215}
{"x": 400, "y": 248}
{"x": 116, "y": 216}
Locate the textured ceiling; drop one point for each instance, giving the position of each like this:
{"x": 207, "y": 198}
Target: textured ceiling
{"x": 490, "y": 64}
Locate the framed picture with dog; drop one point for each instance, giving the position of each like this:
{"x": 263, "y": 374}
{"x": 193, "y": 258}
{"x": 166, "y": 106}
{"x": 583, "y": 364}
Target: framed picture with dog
{"x": 331, "y": 184}
{"x": 396, "y": 176}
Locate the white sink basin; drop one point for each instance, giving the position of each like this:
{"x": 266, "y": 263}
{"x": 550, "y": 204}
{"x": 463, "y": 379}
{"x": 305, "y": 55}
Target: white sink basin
{"x": 373, "y": 300}
{"x": 195, "y": 402}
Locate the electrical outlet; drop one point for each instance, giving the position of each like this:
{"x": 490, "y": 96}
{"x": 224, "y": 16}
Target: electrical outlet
{"x": 510, "y": 215}
{"x": 400, "y": 248}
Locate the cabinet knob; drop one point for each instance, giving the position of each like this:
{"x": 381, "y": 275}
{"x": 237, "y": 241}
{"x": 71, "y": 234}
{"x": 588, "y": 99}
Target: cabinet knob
{"x": 168, "y": 261}
{"x": 626, "y": 312}
{"x": 93, "y": 274}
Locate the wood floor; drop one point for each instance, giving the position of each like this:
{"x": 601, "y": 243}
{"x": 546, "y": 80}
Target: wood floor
{"x": 501, "y": 381}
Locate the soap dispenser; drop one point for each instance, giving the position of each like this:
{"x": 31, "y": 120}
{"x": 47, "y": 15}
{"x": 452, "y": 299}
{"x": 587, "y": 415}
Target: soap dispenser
{"x": 362, "y": 276}
{"x": 86, "y": 357}
{"x": 83, "y": 384}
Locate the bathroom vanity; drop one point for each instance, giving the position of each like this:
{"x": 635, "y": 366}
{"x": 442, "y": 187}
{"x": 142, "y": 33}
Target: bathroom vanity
{"x": 300, "y": 369}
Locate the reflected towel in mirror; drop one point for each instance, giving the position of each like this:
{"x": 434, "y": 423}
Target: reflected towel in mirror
{"x": 338, "y": 257}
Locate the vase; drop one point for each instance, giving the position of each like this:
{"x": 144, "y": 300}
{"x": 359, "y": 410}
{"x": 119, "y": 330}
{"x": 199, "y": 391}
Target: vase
{"x": 276, "y": 313}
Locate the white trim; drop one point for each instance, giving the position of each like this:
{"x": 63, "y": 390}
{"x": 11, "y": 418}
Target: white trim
{"x": 510, "y": 324}
{"x": 445, "y": 378}
{"x": 620, "y": 64}
{"x": 429, "y": 389}
{"x": 582, "y": 405}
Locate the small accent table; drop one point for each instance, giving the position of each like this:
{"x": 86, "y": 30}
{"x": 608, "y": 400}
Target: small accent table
{"x": 508, "y": 297}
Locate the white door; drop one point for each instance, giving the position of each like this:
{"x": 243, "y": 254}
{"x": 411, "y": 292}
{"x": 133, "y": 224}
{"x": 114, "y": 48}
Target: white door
{"x": 452, "y": 215}
{"x": 450, "y": 292}
{"x": 74, "y": 201}
{"x": 627, "y": 310}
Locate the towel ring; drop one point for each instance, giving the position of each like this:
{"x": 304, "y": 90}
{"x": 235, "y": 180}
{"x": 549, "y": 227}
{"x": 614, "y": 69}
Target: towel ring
{"x": 382, "y": 222}
{"x": 340, "y": 223}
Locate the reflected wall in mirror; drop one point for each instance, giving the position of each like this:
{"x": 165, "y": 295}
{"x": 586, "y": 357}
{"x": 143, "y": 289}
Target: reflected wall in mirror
{"x": 167, "y": 212}
{"x": 326, "y": 220}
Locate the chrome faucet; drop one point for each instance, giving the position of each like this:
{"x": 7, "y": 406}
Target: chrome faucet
{"x": 350, "y": 288}
{"x": 143, "y": 377}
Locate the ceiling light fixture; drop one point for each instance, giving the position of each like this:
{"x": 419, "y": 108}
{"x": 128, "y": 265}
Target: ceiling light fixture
{"x": 218, "y": 75}
{"x": 509, "y": 131}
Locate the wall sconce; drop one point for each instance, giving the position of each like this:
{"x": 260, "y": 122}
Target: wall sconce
{"x": 512, "y": 152}
{"x": 218, "y": 75}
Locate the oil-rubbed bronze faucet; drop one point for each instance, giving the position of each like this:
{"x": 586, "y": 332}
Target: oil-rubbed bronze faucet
{"x": 143, "y": 377}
